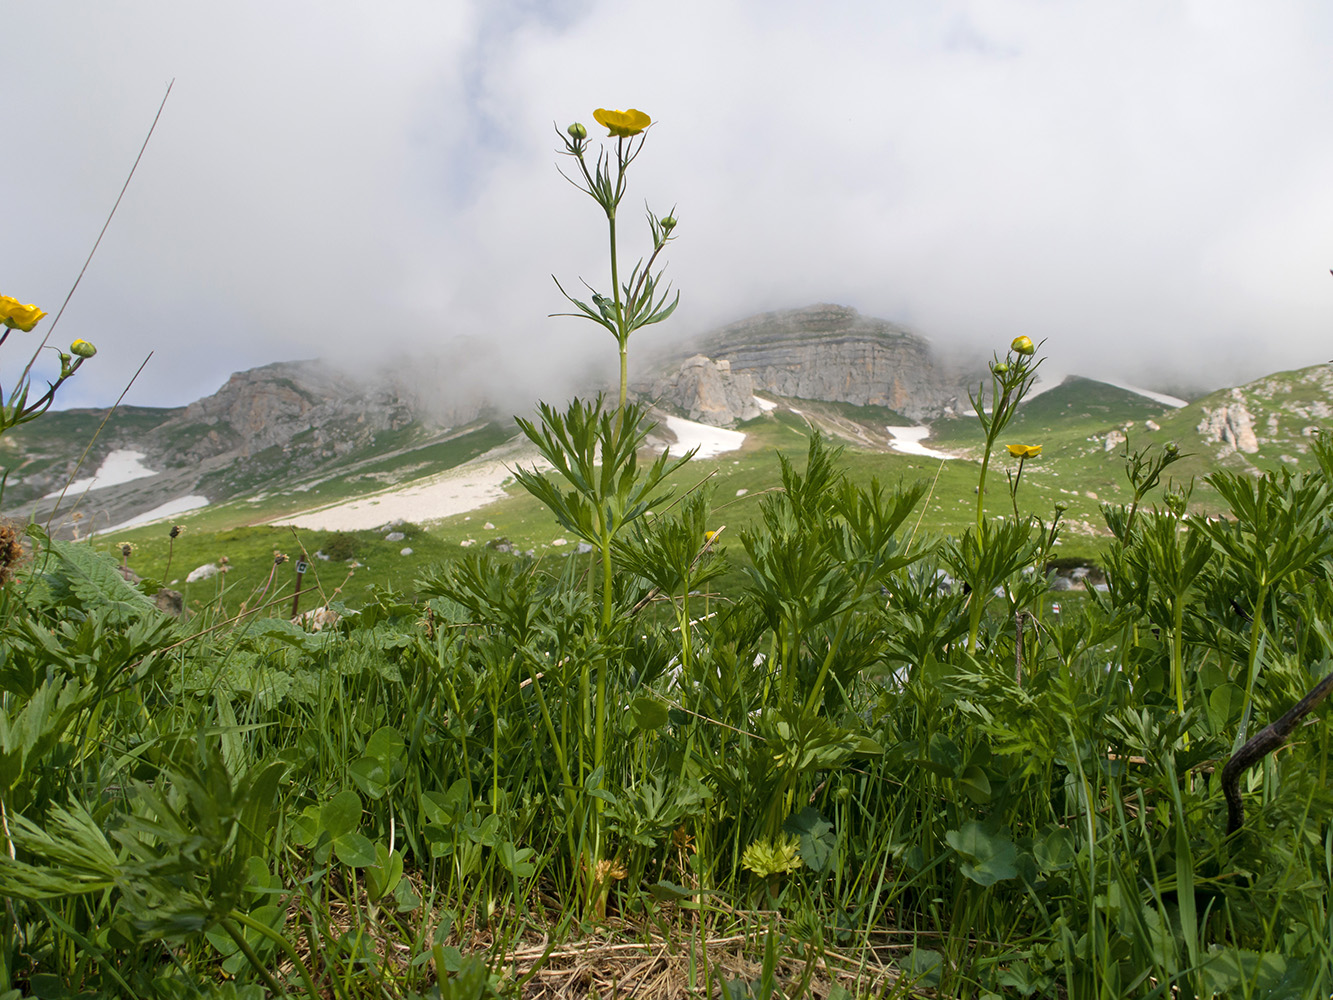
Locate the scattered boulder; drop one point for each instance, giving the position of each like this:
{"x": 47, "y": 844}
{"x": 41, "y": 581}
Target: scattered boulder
{"x": 205, "y": 572}
{"x": 171, "y": 602}
{"x": 316, "y": 619}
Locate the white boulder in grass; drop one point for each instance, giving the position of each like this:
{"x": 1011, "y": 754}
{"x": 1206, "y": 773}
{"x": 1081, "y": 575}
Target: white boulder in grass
{"x": 317, "y": 618}
{"x": 204, "y": 572}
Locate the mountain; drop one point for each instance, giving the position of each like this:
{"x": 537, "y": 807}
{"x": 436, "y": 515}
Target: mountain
{"x": 284, "y": 423}
{"x": 305, "y": 433}
{"x": 833, "y": 353}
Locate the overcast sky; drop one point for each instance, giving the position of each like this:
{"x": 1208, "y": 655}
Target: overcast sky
{"x": 1147, "y": 185}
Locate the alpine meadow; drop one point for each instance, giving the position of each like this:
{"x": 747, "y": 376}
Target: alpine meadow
{"x": 832, "y": 738}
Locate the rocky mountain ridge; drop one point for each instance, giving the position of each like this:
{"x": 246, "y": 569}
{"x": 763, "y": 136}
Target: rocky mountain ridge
{"x": 290, "y": 423}
{"x": 833, "y": 353}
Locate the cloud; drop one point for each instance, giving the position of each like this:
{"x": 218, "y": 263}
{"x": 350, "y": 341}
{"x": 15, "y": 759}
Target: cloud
{"x": 1143, "y": 185}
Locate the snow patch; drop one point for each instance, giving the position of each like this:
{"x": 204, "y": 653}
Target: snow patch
{"x": 454, "y": 492}
{"x": 159, "y": 513}
{"x": 907, "y": 440}
{"x": 1158, "y": 397}
{"x": 121, "y": 466}
{"x": 709, "y": 440}
{"x": 765, "y": 404}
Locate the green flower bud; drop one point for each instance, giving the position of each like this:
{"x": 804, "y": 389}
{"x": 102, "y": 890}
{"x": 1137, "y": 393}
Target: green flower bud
{"x": 1000, "y": 368}
{"x": 1172, "y": 449}
{"x": 668, "y": 224}
{"x": 577, "y": 132}
{"x": 1023, "y": 346}
{"x": 82, "y": 348}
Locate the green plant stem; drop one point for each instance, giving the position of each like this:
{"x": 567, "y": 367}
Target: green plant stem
{"x": 622, "y": 336}
{"x": 1177, "y": 652}
{"x": 1018, "y": 478}
{"x": 981, "y": 482}
{"x": 559, "y": 751}
{"x": 1252, "y": 667}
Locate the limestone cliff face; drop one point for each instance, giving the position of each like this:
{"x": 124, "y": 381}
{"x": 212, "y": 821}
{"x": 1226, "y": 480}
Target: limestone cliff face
{"x": 832, "y": 352}
{"x": 707, "y": 391}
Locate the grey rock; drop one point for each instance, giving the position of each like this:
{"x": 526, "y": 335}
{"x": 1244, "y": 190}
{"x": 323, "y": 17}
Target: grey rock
{"x": 706, "y": 391}
{"x": 832, "y": 352}
{"x": 170, "y": 602}
{"x": 1231, "y": 425}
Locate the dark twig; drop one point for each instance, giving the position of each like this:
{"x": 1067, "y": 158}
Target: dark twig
{"x": 1261, "y": 746}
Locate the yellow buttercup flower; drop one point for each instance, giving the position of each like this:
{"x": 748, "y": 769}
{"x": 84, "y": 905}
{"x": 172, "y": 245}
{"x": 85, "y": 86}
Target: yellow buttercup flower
{"x": 1025, "y": 450}
{"x": 17, "y": 316}
{"x": 622, "y": 123}
{"x": 82, "y": 348}
{"x": 1023, "y": 345}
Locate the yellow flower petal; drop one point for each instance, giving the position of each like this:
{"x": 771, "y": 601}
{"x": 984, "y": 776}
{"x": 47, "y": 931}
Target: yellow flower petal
{"x": 1024, "y": 450}
{"x": 1023, "y": 345}
{"x": 622, "y": 123}
{"x": 17, "y": 316}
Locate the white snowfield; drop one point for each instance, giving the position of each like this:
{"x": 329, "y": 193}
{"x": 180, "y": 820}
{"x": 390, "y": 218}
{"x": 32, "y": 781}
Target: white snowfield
{"x": 907, "y": 440}
{"x": 709, "y": 440}
{"x": 121, "y": 466}
{"x": 468, "y": 487}
{"x": 456, "y": 491}
{"x": 161, "y": 512}
{"x": 1159, "y": 397}
{"x": 1048, "y": 380}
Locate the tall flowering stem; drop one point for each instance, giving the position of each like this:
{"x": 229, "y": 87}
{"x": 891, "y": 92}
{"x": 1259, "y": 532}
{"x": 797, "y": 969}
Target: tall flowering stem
{"x": 643, "y": 299}
{"x": 1011, "y": 379}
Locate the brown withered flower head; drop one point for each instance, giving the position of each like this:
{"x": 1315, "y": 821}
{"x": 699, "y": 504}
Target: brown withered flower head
{"x": 11, "y": 550}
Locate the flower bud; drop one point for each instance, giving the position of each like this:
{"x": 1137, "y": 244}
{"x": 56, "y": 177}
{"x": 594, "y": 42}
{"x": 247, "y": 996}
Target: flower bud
{"x": 82, "y": 348}
{"x": 66, "y": 368}
{"x": 1172, "y": 449}
{"x": 668, "y": 224}
{"x": 999, "y": 368}
{"x": 577, "y": 132}
{"x": 1023, "y": 346}
{"x": 1060, "y": 507}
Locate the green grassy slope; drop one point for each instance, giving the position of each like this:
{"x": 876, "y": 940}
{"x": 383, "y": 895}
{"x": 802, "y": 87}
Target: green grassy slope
{"x": 1072, "y": 422}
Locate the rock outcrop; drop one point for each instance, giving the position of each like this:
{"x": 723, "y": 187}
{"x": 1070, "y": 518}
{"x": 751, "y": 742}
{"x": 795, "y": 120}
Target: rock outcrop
{"x": 706, "y": 391}
{"x": 1231, "y": 425}
{"x": 328, "y": 412}
{"x": 834, "y": 353}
